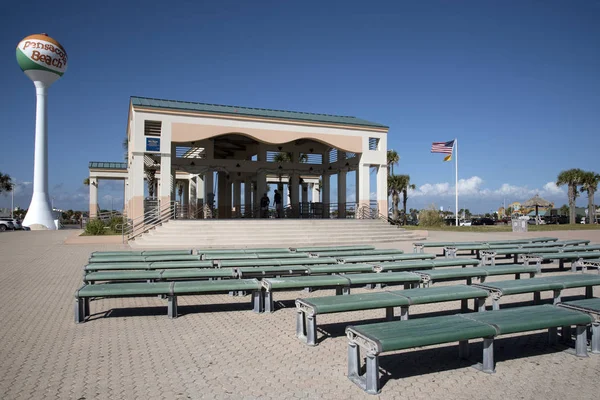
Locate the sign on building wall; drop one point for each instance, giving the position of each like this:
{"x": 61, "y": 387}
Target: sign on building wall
{"x": 153, "y": 144}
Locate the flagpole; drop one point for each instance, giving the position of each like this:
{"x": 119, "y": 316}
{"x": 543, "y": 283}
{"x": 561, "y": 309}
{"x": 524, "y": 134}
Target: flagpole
{"x": 456, "y": 177}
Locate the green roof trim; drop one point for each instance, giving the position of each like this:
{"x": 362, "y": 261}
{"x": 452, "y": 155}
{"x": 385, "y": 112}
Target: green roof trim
{"x": 254, "y": 112}
{"x": 107, "y": 165}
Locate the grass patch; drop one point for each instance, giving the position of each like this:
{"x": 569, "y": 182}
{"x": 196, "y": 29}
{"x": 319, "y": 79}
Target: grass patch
{"x": 507, "y": 228}
{"x": 107, "y": 232}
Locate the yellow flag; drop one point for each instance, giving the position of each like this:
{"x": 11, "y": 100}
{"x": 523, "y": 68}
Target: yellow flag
{"x": 448, "y": 157}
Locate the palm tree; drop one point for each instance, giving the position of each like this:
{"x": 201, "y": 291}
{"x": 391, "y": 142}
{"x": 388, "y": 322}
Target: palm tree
{"x": 572, "y": 178}
{"x": 392, "y": 159}
{"x": 86, "y": 181}
{"x": 405, "y": 186}
{"x": 5, "y": 183}
{"x": 590, "y": 185}
{"x": 394, "y": 188}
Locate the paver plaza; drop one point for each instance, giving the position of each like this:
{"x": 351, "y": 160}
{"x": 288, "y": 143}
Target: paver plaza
{"x": 219, "y": 348}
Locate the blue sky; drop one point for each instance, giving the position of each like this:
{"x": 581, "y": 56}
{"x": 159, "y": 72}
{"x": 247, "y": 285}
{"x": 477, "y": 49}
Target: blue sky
{"x": 516, "y": 82}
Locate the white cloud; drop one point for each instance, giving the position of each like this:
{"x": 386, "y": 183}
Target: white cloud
{"x": 472, "y": 192}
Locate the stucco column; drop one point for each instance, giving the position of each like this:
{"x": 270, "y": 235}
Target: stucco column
{"x": 221, "y": 194}
{"x": 136, "y": 188}
{"x": 341, "y": 192}
{"x": 305, "y": 192}
{"x": 261, "y": 185}
{"x": 363, "y": 186}
{"x": 209, "y": 194}
{"x": 326, "y": 190}
{"x": 293, "y": 187}
{"x": 237, "y": 197}
{"x": 315, "y": 193}
{"x": 93, "y": 197}
{"x": 248, "y": 197}
{"x": 382, "y": 197}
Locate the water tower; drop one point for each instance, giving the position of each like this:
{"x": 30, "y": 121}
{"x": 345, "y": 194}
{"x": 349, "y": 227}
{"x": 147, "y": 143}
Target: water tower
{"x": 43, "y": 60}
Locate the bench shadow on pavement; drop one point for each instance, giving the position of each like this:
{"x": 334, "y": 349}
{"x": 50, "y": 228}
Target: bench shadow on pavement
{"x": 418, "y": 362}
{"x": 181, "y": 309}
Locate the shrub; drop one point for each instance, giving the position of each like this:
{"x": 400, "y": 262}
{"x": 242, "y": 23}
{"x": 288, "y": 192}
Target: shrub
{"x": 95, "y": 227}
{"x": 115, "y": 224}
{"x": 430, "y": 217}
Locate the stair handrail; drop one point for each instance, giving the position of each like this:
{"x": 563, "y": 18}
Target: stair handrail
{"x": 133, "y": 228}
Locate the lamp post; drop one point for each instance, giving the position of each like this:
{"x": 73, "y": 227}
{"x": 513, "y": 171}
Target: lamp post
{"x": 12, "y": 200}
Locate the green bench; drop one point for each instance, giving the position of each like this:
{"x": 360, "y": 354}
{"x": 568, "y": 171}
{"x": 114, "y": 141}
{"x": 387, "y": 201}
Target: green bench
{"x": 313, "y": 249}
{"x": 384, "y": 257}
{"x": 419, "y": 246}
{"x": 308, "y": 309}
{"x": 573, "y": 257}
{"x": 160, "y": 275}
{"x": 126, "y": 253}
{"x": 341, "y": 283}
{"x": 155, "y": 258}
{"x": 423, "y": 264}
{"x": 384, "y": 337}
{"x": 452, "y": 274}
{"x": 450, "y": 251}
{"x": 170, "y": 290}
{"x": 490, "y": 255}
{"x": 585, "y": 264}
{"x": 537, "y": 285}
{"x": 591, "y": 307}
{"x": 251, "y": 256}
{"x": 120, "y": 266}
{"x": 243, "y": 251}
{"x": 274, "y": 263}
{"x": 345, "y": 253}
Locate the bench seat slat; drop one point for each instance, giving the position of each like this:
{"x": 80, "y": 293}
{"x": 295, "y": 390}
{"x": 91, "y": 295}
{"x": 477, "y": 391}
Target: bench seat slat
{"x": 140, "y": 253}
{"x": 148, "y": 265}
{"x": 339, "y": 268}
{"x": 354, "y": 302}
{"x": 304, "y": 281}
{"x": 386, "y": 257}
{"x": 125, "y": 289}
{"x": 449, "y": 273}
{"x": 441, "y": 293}
{"x": 571, "y": 255}
{"x": 133, "y": 259}
{"x": 543, "y": 284}
{"x": 533, "y": 318}
{"x": 592, "y": 305}
{"x": 399, "y": 335}
{"x": 333, "y": 248}
{"x": 192, "y": 287}
{"x": 374, "y": 277}
{"x": 280, "y": 262}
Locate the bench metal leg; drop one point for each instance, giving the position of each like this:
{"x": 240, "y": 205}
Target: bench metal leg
{"x": 480, "y": 304}
{"x": 581, "y": 341}
{"x": 403, "y": 313}
{"x": 463, "y": 349}
{"x": 495, "y": 304}
{"x": 469, "y": 281}
{"x": 301, "y": 325}
{"x": 311, "y": 329}
{"x": 596, "y": 338}
{"x": 353, "y": 361}
{"x": 517, "y": 276}
{"x": 552, "y": 336}
{"x": 389, "y": 313}
{"x": 536, "y": 297}
{"x": 79, "y": 310}
{"x": 464, "y": 306}
{"x": 561, "y": 264}
{"x": 369, "y": 382}
{"x": 257, "y": 301}
{"x": 488, "y": 356}
{"x": 557, "y": 298}
{"x": 516, "y": 258}
{"x": 589, "y": 292}
{"x": 172, "y": 306}
{"x": 269, "y": 305}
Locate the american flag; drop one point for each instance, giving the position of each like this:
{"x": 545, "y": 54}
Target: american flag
{"x": 442, "y": 147}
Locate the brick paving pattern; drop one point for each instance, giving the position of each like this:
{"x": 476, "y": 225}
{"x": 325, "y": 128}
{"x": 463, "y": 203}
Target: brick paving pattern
{"x": 220, "y": 349}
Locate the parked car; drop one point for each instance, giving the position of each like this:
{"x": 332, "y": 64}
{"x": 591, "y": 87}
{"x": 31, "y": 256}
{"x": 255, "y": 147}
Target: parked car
{"x": 465, "y": 222}
{"x": 17, "y": 224}
{"x": 483, "y": 221}
{"x": 556, "y": 219}
{"x": 6, "y": 226}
